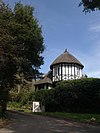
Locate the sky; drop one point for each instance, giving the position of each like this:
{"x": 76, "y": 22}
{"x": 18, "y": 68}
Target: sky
{"x": 65, "y": 26}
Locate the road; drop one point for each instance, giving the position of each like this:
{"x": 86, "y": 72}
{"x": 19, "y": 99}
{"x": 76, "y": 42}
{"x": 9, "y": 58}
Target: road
{"x": 28, "y": 123}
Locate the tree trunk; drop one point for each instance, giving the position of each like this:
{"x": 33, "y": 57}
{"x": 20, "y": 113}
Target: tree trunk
{"x": 2, "y": 108}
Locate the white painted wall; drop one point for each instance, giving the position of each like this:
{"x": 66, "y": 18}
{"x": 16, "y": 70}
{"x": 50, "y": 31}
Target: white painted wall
{"x": 70, "y": 71}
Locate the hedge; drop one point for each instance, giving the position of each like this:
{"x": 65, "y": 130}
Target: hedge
{"x": 81, "y": 95}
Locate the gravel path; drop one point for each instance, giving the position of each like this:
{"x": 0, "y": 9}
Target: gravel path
{"x": 28, "y": 123}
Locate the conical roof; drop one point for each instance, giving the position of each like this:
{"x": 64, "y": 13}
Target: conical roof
{"x": 45, "y": 80}
{"x": 66, "y": 57}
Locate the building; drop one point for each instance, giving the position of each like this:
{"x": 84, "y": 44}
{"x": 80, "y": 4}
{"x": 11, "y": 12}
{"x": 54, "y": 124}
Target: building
{"x": 64, "y": 67}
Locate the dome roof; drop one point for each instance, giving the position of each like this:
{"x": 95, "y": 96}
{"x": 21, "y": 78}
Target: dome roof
{"x": 66, "y": 57}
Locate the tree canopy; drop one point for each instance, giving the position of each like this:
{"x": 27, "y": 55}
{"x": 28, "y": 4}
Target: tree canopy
{"x": 90, "y": 5}
{"x": 21, "y": 44}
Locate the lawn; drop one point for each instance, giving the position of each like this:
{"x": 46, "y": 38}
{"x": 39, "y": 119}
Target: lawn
{"x": 82, "y": 117}
{"x": 90, "y": 118}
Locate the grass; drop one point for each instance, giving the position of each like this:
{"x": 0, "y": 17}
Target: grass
{"x": 18, "y": 107}
{"x": 90, "y": 118}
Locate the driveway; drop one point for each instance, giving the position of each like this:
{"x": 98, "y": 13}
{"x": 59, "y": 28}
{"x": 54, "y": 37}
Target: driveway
{"x": 28, "y": 123}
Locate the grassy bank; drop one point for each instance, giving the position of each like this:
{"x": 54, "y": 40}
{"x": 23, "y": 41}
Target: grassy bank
{"x": 90, "y": 118}
{"x": 19, "y": 107}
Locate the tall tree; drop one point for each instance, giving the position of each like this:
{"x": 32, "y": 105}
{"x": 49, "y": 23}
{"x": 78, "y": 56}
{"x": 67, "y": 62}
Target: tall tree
{"x": 90, "y": 5}
{"x": 21, "y": 45}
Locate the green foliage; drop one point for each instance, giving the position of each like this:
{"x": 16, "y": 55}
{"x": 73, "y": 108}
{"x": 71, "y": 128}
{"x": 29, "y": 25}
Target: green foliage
{"x": 21, "y": 100}
{"x": 41, "y": 96}
{"x": 79, "y": 95}
{"x": 21, "y": 42}
{"x": 25, "y": 96}
{"x": 21, "y": 46}
{"x": 90, "y": 5}
{"x": 18, "y": 106}
{"x": 90, "y": 118}
{"x": 82, "y": 95}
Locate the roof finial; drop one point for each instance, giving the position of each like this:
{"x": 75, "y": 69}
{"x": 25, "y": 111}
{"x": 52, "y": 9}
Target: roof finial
{"x": 65, "y": 50}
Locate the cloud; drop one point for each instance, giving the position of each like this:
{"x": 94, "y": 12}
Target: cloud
{"x": 95, "y": 74}
{"x": 91, "y": 61}
{"x": 94, "y": 31}
{"x": 95, "y": 28}
{"x": 50, "y": 54}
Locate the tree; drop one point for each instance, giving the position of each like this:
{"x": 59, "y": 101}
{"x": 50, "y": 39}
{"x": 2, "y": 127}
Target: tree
{"x": 90, "y": 5}
{"x": 21, "y": 45}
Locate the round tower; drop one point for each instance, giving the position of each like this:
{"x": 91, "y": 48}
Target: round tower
{"x": 66, "y": 67}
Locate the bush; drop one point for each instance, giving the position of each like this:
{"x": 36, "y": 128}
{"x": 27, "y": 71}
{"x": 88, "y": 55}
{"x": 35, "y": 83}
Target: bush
{"x": 41, "y": 95}
{"x": 81, "y": 95}
{"x": 24, "y": 97}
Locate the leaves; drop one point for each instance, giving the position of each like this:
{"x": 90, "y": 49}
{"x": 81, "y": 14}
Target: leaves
{"x": 90, "y": 5}
{"x": 21, "y": 44}
{"x": 81, "y": 95}
{"x": 21, "y": 37}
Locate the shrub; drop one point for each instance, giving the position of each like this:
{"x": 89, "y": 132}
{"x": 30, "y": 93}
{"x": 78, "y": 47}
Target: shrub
{"x": 81, "y": 95}
{"x": 41, "y": 95}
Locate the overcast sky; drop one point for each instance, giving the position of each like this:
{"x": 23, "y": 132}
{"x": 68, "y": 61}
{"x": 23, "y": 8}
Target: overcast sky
{"x": 65, "y": 26}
